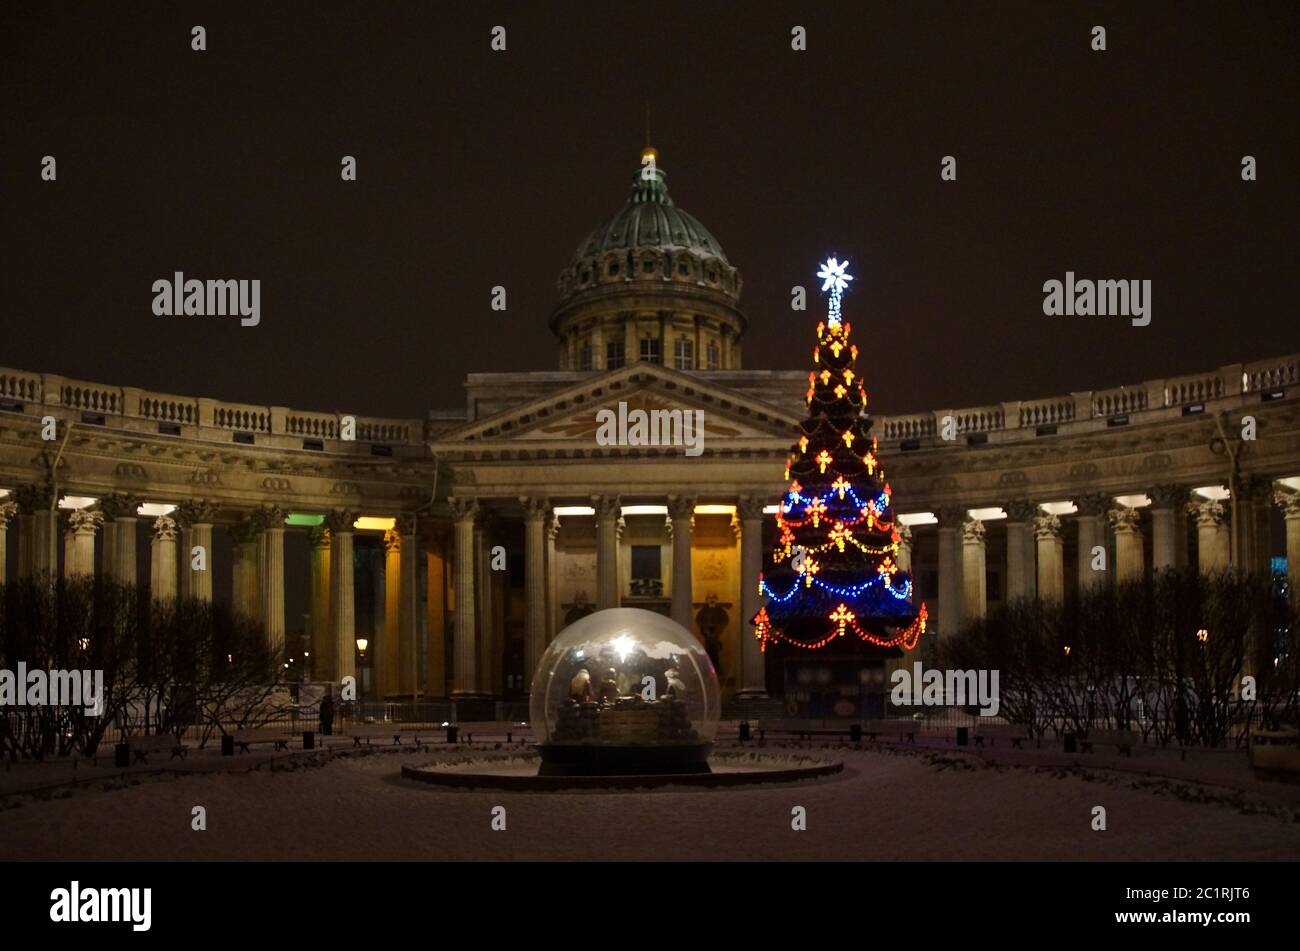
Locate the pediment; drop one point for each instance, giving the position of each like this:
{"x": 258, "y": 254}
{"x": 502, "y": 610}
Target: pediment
{"x": 572, "y": 413}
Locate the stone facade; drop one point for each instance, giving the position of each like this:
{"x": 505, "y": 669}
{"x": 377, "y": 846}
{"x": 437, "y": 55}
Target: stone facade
{"x": 477, "y": 534}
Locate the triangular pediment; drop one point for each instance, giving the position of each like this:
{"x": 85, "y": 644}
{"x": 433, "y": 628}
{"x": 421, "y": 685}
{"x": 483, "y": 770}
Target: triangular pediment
{"x": 571, "y": 413}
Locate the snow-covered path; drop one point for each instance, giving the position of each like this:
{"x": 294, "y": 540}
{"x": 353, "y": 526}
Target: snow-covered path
{"x": 886, "y": 806}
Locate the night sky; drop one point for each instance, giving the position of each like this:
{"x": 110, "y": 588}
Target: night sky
{"x": 479, "y": 168}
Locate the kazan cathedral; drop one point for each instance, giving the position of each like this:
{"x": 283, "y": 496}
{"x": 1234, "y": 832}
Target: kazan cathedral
{"x": 435, "y": 558}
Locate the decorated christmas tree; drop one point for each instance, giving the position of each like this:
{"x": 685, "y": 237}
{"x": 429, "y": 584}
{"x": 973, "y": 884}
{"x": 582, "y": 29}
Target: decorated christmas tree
{"x": 833, "y": 573}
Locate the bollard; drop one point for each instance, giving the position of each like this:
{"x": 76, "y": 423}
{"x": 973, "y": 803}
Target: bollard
{"x": 451, "y": 734}
{"x": 227, "y": 746}
{"x": 122, "y": 755}
{"x": 1070, "y": 744}
{"x": 963, "y": 736}
{"x": 744, "y": 731}
{"x": 308, "y": 740}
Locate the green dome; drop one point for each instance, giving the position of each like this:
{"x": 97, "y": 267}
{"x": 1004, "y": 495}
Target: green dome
{"x": 650, "y": 220}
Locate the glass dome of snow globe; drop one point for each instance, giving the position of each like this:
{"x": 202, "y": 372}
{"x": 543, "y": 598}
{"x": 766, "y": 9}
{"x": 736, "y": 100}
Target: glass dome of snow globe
{"x": 625, "y": 692}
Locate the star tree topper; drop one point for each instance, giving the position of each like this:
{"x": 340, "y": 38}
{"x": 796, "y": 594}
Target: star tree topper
{"x": 835, "y": 278}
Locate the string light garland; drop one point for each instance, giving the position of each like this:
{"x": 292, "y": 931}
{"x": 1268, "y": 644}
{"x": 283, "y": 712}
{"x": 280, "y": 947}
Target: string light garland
{"x": 834, "y": 569}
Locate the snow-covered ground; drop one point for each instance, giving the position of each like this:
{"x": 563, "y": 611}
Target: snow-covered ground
{"x": 885, "y": 806}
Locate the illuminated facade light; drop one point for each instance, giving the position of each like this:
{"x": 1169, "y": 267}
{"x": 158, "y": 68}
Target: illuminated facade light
{"x": 155, "y": 509}
{"x": 372, "y": 523}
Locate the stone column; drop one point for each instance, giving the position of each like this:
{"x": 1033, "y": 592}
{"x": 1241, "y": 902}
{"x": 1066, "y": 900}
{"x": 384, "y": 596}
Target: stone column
{"x": 79, "y": 543}
{"x": 1126, "y": 523}
{"x": 552, "y": 600}
{"x": 1020, "y": 553}
{"x": 24, "y": 537}
{"x": 1253, "y": 497}
{"x": 1051, "y": 558}
{"x": 387, "y": 653}
{"x": 408, "y": 648}
{"x": 1092, "y": 510}
{"x": 903, "y": 557}
{"x": 435, "y": 656}
{"x": 485, "y": 588}
{"x": 607, "y": 512}
{"x": 321, "y": 631}
{"x": 162, "y": 559}
{"x": 1212, "y": 537}
{"x": 753, "y": 673}
{"x": 950, "y": 586}
{"x": 536, "y": 511}
{"x": 244, "y": 535}
{"x": 681, "y": 509}
{"x": 974, "y": 579}
{"x": 1168, "y": 502}
{"x": 343, "y": 621}
{"x": 1289, "y": 502}
{"x": 8, "y": 509}
{"x": 122, "y": 510}
{"x": 464, "y": 683}
{"x": 271, "y": 521}
{"x": 197, "y": 518}
{"x": 39, "y": 526}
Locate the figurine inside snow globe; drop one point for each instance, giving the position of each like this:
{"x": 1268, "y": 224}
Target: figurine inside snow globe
{"x": 625, "y": 692}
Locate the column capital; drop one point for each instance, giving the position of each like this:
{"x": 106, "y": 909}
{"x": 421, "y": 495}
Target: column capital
{"x": 1124, "y": 520}
{"x": 1092, "y": 504}
{"x": 340, "y": 521}
{"x": 607, "y": 506}
{"x": 904, "y": 533}
{"x": 973, "y": 531}
{"x": 1168, "y": 495}
{"x": 750, "y": 507}
{"x": 1288, "y": 501}
{"x": 463, "y": 507}
{"x": 535, "y": 507}
{"x": 681, "y": 506}
{"x": 164, "y": 528}
{"x": 244, "y": 529}
{"x": 34, "y": 498}
{"x": 553, "y": 526}
{"x": 1020, "y": 510}
{"x": 392, "y": 541}
{"x": 1047, "y": 525}
{"x": 1254, "y": 488}
{"x": 404, "y": 524}
{"x": 196, "y": 512}
{"x": 318, "y": 536}
{"x": 951, "y": 516}
{"x": 269, "y": 516}
{"x": 8, "y": 509}
{"x": 119, "y": 505}
{"x": 1208, "y": 512}
{"x": 83, "y": 522}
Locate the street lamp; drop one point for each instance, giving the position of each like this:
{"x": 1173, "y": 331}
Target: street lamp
{"x": 362, "y": 644}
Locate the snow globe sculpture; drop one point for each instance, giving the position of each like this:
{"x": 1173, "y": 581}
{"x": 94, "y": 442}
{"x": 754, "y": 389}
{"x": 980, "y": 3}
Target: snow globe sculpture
{"x": 625, "y": 692}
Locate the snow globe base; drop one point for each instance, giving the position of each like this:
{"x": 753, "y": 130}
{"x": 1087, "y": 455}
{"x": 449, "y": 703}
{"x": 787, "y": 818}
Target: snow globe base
{"x": 592, "y": 760}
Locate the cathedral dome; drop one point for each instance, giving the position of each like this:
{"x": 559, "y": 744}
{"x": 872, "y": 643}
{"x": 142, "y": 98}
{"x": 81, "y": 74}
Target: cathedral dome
{"x": 650, "y": 239}
{"x": 652, "y": 284}
{"x": 650, "y": 220}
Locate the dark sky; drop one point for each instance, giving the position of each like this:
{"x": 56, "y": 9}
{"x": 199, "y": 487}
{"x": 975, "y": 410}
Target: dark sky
{"x": 479, "y": 168}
